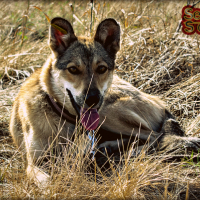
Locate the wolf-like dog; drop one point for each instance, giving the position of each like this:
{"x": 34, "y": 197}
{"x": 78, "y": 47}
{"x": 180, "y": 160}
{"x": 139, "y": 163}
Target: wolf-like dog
{"x": 79, "y": 77}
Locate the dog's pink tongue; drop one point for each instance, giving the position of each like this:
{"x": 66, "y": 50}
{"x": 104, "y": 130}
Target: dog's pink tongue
{"x": 89, "y": 118}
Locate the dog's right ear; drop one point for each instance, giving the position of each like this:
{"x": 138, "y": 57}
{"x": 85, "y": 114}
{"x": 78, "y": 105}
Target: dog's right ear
{"x": 61, "y": 35}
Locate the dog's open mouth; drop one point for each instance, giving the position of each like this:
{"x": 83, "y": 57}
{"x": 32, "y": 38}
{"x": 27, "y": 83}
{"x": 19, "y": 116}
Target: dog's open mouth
{"x": 89, "y": 117}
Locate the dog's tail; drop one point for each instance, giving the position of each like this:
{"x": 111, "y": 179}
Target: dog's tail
{"x": 175, "y": 140}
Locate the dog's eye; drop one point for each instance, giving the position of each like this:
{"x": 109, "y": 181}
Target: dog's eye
{"x": 73, "y": 70}
{"x": 101, "y": 69}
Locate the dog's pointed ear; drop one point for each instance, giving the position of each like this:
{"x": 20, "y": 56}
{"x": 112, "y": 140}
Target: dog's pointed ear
{"x": 61, "y": 35}
{"x": 108, "y": 34}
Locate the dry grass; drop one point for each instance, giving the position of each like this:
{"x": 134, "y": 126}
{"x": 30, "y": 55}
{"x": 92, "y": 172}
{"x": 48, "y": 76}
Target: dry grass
{"x": 153, "y": 57}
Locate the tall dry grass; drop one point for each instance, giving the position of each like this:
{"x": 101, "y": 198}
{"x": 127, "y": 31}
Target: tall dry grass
{"x": 153, "y": 57}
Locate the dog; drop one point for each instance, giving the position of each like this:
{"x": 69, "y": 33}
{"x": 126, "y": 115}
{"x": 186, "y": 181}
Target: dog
{"x": 78, "y": 82}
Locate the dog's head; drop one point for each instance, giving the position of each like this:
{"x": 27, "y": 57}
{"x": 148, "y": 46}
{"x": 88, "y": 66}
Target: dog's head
{"x": 84, "y": 67}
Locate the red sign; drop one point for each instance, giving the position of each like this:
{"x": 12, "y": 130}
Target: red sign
{"x": 190, "y": 20}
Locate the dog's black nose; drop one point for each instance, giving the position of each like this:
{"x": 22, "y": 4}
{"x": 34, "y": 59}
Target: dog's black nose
{"x": 93, "y": 98}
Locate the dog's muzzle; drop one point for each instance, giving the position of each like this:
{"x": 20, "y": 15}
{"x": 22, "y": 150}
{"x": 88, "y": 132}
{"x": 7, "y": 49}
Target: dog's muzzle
{"x": 93, "y": 98}
{"x": 88, "y": 115}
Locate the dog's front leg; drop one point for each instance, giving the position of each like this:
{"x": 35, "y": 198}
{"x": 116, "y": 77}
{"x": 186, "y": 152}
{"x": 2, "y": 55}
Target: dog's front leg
{"x": 114, "y": 146}
{"x": 34, "y": 151}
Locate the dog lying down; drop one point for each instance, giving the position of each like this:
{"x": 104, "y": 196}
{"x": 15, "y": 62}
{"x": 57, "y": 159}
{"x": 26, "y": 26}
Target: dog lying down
{"x": 78, "y": 82}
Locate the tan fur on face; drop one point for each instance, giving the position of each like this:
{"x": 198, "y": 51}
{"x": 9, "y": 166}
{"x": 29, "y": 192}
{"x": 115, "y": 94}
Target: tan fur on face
{"x": 102, "y": 81}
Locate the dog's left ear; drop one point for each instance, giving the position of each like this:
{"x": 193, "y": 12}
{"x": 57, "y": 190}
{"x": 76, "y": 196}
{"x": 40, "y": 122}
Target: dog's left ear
{"x": 61, "y": 35}
{"x": 108, "y": 34}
